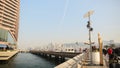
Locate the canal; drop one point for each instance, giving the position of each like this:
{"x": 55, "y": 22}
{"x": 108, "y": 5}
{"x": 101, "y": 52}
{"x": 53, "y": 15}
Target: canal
{"x": 28, "y": 60}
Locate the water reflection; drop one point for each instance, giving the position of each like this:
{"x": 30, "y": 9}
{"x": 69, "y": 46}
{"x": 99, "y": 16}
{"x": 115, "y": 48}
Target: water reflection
{"x": 27, "y": 60}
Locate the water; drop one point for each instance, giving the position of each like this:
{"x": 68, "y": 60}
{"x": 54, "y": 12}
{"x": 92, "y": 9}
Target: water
{"x": 27, "y": 60}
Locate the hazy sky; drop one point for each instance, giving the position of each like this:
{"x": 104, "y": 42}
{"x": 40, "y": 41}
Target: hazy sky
{"x": 61, "y": 21}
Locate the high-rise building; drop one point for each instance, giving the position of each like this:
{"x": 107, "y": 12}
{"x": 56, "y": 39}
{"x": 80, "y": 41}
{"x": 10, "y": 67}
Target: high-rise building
{"x": 9, "y": 21}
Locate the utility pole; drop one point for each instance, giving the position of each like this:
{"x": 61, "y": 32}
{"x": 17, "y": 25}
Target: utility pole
{"x": 88, "y": 14}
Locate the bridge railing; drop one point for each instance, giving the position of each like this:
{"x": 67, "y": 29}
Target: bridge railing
{"x": 75, "y": 62}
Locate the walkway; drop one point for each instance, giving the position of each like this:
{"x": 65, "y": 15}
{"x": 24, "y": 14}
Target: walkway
{"x": 105, "y": 64}
{"x": 6, "y": 55}
{"x": 81, "y": 61}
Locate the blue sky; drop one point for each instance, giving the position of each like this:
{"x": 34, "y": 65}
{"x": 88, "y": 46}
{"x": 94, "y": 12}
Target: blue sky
{"x": 61, "y": 21}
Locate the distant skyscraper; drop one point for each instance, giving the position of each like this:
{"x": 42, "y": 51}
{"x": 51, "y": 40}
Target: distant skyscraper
{"x": 9, "y": 21}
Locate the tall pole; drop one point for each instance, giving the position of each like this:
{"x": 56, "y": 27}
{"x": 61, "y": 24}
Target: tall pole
{"x": 90, "y": 29}
{"x": 90, "y": 45}
{"x": 90, "y": 39}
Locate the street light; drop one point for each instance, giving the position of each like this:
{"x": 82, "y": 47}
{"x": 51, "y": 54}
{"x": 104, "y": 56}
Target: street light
{"x": 88, "y": 14}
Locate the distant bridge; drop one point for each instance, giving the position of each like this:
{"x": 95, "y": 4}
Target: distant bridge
{"x": 57, "y": 55}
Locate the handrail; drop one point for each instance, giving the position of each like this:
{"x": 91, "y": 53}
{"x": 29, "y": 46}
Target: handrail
{"x": 75, "y": 62}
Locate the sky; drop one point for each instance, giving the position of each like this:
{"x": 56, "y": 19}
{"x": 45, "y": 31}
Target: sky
{"x": 61, "y": 21}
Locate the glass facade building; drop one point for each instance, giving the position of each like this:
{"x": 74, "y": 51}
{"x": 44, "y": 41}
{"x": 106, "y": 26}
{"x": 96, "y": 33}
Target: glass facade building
{"x": 6, "y": 36}
{"x": 9, "y": 21}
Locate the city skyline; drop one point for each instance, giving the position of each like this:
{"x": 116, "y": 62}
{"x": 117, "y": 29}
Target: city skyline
{"x": 61, "y": 21}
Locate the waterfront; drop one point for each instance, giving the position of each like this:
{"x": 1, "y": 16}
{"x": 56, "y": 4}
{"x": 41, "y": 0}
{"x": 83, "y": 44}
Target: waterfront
{"x": 27, "y": 60}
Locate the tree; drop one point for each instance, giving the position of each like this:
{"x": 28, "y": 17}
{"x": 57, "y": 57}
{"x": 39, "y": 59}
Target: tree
{"x": 106, "y": 46}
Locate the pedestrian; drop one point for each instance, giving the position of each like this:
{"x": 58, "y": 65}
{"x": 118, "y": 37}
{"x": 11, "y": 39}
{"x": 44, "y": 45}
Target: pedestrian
{"x": 110, "y": 53}
{"x": 104, "y": 51}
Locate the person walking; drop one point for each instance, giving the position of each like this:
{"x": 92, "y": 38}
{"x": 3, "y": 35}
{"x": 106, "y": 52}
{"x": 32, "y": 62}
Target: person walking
{"x": 111, "y": 57}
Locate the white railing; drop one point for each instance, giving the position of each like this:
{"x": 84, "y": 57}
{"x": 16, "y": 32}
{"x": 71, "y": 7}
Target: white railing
{"x": 75, "y": 62}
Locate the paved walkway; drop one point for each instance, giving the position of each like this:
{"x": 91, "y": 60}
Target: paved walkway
{"x": 94, "y": 67}
{"x": 105, "y": 64}
{"x": 81, "y": 61}
{"x": 7, "y": 55}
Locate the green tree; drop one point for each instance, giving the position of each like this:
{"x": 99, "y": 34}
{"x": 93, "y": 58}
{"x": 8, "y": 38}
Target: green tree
{"x": 106, "y": 46}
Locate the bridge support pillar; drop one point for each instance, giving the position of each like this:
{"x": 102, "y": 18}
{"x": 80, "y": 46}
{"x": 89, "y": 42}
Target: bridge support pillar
{"x": 56, "y": 57}
{"x": 63, "y": 58}
{"x": 50, "y": 56}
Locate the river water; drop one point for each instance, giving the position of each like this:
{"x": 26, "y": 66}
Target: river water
{"x": 28, "y": 60}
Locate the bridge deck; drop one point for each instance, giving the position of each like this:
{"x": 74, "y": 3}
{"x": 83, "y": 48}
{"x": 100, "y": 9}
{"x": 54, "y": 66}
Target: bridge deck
{"x": 105, "y": 64}
{"x": 62, "y": 54}
{"x": 94, "y": 66}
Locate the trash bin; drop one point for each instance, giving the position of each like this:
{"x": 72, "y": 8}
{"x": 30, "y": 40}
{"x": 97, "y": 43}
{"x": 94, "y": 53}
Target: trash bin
{"x": 96, "y": 57}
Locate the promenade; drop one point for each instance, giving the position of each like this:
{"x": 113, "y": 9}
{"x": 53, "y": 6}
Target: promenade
{"x": 82, "y": 61}
{"x": 6, "y": 55}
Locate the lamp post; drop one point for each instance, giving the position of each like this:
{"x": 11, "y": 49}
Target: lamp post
{"x": 88, "y": 14}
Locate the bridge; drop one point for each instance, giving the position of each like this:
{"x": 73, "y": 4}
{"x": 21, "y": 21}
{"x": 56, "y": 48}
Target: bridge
{"x": 78, "y": 60}
{"x": 56, "y": 55}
